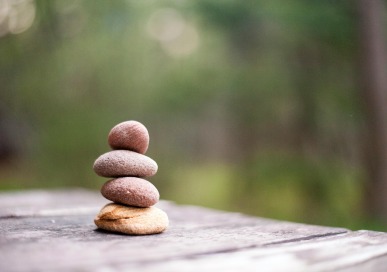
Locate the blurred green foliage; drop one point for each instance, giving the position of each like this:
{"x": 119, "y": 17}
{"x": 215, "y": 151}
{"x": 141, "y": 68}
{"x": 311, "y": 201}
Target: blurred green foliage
{"x": 251, "y": 106}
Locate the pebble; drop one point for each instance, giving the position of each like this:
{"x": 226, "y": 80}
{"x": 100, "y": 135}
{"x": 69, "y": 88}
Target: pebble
{"x": 132, "y": 220}
{"x": 131, "y": 191}
{"x": 129, "y": 135}
{"x": 121, "y": 163}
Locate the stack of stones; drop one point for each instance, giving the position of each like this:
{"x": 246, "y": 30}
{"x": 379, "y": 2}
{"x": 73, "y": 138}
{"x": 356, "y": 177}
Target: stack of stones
{"x": 133, "y": 196}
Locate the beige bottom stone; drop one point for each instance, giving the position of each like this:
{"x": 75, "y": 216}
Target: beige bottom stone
{"x": 132, "y": 220}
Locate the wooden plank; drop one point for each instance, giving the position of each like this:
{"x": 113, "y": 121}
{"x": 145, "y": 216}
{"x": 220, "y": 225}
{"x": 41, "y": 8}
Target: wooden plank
{"x": 352, "y": 251}
{"x": 55, "y": 202}
{"x": 57, "y": 233}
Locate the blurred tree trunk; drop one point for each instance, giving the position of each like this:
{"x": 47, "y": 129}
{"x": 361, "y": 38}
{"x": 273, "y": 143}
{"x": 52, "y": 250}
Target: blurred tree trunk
{"x": 305, "y": 73}
{"x": 374, "y": 92}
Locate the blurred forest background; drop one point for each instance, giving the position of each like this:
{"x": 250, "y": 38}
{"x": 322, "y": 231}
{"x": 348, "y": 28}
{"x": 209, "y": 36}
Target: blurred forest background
{"x": 271, "y": 108}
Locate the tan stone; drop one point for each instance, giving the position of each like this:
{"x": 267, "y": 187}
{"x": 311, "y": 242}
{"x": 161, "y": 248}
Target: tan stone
{"x": 132, "y": 220}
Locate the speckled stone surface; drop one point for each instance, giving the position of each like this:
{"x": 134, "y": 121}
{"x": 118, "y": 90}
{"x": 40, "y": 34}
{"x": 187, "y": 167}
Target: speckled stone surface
{"x": 132, "y": 220}
{"x": 131, "y": 191}
{"x": 129, "y": 135}
{"x": 123, "y": 163}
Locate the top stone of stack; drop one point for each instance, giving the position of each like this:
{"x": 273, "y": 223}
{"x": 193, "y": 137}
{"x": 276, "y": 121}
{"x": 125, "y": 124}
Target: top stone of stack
{"x": 129, "y": 135}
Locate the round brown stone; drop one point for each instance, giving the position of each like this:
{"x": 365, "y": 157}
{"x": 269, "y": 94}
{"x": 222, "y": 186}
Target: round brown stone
{"x": 123, "y": 163}
{"x": 129, "y": 135}
{"x": 131, "y": 220}
{"x": 131, "y": 191}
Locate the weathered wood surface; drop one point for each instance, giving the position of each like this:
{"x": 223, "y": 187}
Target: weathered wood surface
{"x": 54, "y": 231}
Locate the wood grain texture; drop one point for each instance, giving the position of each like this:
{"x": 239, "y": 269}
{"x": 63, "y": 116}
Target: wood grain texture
{"x": 63, "y": 237}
